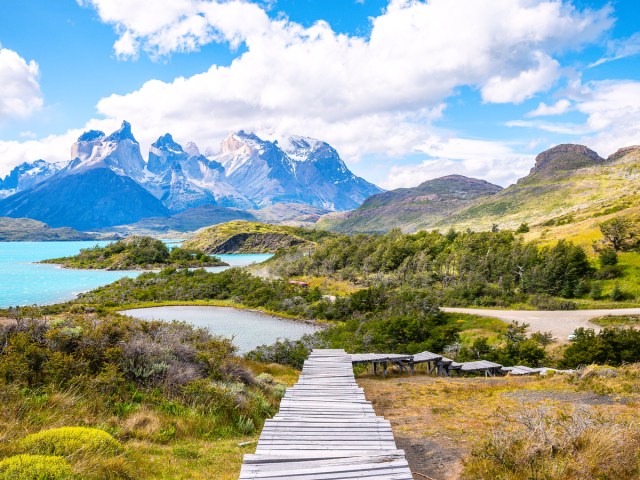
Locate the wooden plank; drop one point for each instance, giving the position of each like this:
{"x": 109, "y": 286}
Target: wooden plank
{"x": 327, "y": 430}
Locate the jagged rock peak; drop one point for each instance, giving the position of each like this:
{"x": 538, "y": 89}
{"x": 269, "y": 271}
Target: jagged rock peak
{"x": 240, "y": 142}
{"x": 192, "y": 149}
{"x": 623, "y": 152}
{"x": 166, "y": 142}
{"x": 566, "y": 156}
{"x": 91, "y": 136}
{"x": 123, "y": 134}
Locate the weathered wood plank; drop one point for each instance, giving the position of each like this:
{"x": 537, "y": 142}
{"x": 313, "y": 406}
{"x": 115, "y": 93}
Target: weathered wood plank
{"x": 327, "y": 430}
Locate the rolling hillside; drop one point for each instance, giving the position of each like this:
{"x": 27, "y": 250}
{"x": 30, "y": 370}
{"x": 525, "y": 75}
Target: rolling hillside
{"x": 568, "y": 192}
{"x": 411, "y": 209}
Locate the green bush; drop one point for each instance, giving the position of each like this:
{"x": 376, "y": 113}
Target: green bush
{"x": 67, "y": 441}
{"x": 610, "y": 346}
{"x": 608, "y": 256}
{"x": 35, "y": 467}
{"x": 546, "y": 302}
{"x": 609, "y": 272}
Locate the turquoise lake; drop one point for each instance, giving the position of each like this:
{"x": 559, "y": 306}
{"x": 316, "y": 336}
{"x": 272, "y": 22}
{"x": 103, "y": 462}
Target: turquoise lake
{"x": 24, "y": 282}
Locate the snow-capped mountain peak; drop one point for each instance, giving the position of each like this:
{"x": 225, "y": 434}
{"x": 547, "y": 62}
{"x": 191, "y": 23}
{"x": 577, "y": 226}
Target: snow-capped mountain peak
{"x": 123, "y": 134}
{"x": 119, "y": 152}
{"x": 192, "y": 149}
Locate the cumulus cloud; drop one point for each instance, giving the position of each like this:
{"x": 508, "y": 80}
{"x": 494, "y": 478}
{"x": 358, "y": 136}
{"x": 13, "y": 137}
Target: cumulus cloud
{"x": 374, "y": 94}
{"x": 496, "y": 162}
{"x": 20, "y": 91}
{"x": 525, "y": 84}
{"x": 612, "y": 115}
{"x": 544, "y": 110}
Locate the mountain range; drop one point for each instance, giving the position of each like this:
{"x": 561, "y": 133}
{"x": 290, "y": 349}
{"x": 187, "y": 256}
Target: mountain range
{"x": 107, "y": 182}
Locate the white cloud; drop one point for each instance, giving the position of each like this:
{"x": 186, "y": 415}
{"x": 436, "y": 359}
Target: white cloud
{"x": 495, "y": 162}
{"x": 525, "y": 84}
{"x": 377, "y": 94}
{"x": 362, "y": 94}
{"x": 612, "y": 110}
{"x": 19, "y": 88}
{"x": 562, "y": 128}
{"x": 621, "y": 48}
{"x": 544, "y": 110}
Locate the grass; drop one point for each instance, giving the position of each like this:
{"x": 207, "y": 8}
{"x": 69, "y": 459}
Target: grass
{"x": 159, "y": 439}
{"x": 617, "y": 321}
{"x": 443, "y": 422}
{"x": 332, "y": 285}
{"x": 475, "y": 326}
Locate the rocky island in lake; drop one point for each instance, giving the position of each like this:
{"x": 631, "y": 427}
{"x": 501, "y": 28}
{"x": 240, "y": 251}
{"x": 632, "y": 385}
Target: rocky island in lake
{"x": 138, "y": 253}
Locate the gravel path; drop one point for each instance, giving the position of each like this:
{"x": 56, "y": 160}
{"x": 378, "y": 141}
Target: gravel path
{"x": 560, "y": 323}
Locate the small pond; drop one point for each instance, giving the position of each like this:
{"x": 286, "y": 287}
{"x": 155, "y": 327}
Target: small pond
{"x": 247, "y": 327}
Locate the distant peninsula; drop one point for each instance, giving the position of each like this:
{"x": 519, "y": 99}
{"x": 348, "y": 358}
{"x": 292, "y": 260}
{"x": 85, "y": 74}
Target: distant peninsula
{"x": 28, "y": 230}
{"x": 137, "y": 253}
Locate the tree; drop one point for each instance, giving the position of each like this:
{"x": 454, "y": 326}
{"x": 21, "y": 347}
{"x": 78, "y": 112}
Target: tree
{"x": 608, "y": 256}
{"x": 618, "y": 232}
{"x": 523, "y": 228}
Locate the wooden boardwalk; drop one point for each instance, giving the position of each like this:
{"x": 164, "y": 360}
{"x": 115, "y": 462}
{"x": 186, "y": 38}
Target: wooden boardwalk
{"x": 326, "y": 430}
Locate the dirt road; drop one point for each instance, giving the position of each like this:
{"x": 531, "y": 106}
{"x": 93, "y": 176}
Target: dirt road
{"x": 560, "y": 323}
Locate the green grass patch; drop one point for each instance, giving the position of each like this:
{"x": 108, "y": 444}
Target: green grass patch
{"x": 617, "y": 321}
{"x": 475, "y": 326}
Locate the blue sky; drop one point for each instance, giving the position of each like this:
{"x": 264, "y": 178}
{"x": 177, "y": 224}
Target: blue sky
{"x": 406, "y": 90}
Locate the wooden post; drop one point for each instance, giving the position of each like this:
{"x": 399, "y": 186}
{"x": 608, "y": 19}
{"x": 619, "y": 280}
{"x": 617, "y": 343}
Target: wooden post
{"x": 411, "y": 365}
{"x": 384, "y": 366}
{"x": 375, "y": 368}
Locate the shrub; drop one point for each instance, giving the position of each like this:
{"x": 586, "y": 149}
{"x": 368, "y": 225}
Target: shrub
{"x": 596, "y": 290}
{"x": 608, "y": 256}
{"x": 610, "y": 346}
{"x": 546, "y": 302}
{"x": 617, "y": 295}
{"x": 35, "y": 467}
{"x": 67, "y": 441}
{"x": 544, "y": 443}
{"x": 609, "y": 272}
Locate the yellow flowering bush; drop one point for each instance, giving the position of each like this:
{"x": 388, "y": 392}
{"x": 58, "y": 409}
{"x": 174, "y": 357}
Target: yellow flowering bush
{"x": 68, "y": 441}
{"x": 35, "y": 467}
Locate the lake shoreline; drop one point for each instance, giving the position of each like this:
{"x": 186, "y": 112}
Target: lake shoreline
{"x": 248, "y": 328}
{"x": 218, "y": 304}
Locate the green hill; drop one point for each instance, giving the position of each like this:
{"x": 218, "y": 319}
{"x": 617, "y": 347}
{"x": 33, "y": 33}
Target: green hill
{"x": 250, "y": 237}
{"x": 411, "y": 209}
{"x": 569, "y": 191}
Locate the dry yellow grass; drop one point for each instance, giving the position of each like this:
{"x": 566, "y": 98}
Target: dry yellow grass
{"x": 439, "y": 421}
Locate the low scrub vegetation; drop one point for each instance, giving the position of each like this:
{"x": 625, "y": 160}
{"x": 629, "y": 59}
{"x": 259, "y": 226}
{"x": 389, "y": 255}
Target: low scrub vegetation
{"x": 69, "y": 441}
{"x": 97, "y": 391}
{"x": 35, "y": 467}
{"x": 136, "y": 253}
{"x": 463, "y": 268}
{"x": 557, "y": 443}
